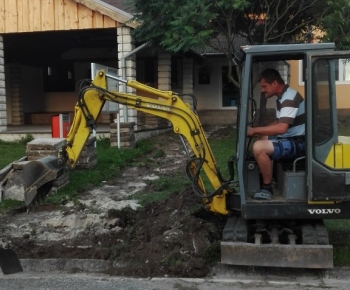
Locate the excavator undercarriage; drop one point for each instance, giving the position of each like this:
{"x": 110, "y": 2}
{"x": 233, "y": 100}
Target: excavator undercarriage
{"x": 292, "y": 244}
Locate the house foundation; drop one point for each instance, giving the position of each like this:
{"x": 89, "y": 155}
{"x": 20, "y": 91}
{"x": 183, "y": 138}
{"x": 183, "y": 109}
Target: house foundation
{"x": 127, "y": 135}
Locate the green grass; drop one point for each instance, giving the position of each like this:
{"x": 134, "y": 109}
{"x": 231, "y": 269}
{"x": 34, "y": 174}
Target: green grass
{"x": 339, "y": 237}
{"x": 344, "y": 132}
{"x": 223, "y": 148}
{"x": 12, "y": 151}
{"x": 161, "y": 188}
{"x": 6, "y": 205}
{"x": 343, "y": 127}
{"x": 110, "y": 162}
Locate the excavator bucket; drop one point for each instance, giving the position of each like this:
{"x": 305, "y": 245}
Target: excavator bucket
{"x": 9, "y": 262}
{"x": 30, "y": 180}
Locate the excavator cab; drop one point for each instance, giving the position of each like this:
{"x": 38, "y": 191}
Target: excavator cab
{"x": 288, "y": 230}
{"x": 301, "y": 182}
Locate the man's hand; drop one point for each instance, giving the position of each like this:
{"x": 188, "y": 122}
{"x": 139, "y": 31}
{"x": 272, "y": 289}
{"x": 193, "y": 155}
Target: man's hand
{"x": 250, "y": 131}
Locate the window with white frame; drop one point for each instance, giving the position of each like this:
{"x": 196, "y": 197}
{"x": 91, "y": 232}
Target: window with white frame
{"x": 343, "y": 71}
{"x": 230, "y": 93}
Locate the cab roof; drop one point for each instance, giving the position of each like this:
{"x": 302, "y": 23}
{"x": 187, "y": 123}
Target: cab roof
{"x": 284, "y": 51}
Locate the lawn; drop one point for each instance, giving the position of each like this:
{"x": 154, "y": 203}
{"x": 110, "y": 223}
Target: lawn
{"x": 111, "y": 160}
{"x": 12, "y": 151}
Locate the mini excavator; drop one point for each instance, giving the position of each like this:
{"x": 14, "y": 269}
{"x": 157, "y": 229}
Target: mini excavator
{"x": 288, "y": 229}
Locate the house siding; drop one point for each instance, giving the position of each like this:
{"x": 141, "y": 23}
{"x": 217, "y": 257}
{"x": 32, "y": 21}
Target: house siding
{"x": 49, "y": 15}
{"x": 14, "y": 85}
{"x": 31, "y": 16}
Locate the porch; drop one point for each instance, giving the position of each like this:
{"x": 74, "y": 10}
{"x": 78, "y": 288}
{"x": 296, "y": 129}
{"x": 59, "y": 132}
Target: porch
{"x": 14, "y": 133}
{"x": 17, "y": 132}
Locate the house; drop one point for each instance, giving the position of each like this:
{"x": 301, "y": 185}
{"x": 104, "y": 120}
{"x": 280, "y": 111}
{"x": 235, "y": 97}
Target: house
{"x": 46, "y": 47}
{"x": 216, "y": 98}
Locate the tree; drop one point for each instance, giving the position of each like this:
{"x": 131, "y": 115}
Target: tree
{"x": 336, "y": 24}
{"x": 180, "y": 25}
{"x": 282, "y": 21}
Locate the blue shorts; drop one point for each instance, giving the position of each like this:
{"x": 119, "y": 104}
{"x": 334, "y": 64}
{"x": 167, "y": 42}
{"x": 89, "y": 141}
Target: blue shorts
{"x": 288, "y": 148}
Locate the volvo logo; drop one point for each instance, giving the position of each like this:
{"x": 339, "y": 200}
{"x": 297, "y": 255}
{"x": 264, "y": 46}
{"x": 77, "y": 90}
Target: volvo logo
{"x": 325, "y": 211}
{"x": 159, "y": 107}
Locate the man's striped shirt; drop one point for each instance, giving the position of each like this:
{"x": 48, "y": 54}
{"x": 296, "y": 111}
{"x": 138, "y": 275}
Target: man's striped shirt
{"x": 290, "y": 109}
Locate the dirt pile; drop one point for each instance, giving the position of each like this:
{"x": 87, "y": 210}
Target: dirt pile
{"x": 175, "y": 237}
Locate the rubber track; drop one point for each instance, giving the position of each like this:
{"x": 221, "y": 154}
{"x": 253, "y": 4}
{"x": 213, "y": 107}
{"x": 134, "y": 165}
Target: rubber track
{"x": 314, "y": 234}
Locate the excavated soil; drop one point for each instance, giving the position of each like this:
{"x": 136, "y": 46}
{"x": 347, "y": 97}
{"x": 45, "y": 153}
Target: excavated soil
{"x": 174, "y": 237}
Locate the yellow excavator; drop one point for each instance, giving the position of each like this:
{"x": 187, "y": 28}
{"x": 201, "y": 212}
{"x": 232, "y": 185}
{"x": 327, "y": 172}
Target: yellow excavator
{"x": 288, "y": 229}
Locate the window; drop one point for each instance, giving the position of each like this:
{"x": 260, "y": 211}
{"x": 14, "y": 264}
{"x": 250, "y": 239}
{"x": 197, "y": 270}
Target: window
{"x": 59, "y": 76}
{"x": 147, "y": 71}
{"x": 176, "y": 72}
{"x": 342, "y": 71}
{"x": 322, "y": 114}
{"x": 230, "y": 93}
{"x": 330, "y": 112}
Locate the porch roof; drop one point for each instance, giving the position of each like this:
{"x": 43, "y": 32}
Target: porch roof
{"x": 62, "y": 15}
{"x": 112, "y": 9}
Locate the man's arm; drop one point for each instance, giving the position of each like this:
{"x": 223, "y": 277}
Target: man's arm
{"x": 270, "y": 130}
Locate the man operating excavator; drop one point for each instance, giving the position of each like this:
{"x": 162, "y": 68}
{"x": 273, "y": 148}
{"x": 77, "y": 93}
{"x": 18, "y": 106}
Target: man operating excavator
{"x": 283, "y": 138}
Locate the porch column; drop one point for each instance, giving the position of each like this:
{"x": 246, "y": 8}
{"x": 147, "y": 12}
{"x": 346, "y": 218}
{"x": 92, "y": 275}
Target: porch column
{"x": 14, "y": 89}
{"x": 164, "y": 83}
{"x": 3, "y": 116}
{"x": 187, "y": 64}
{"x": 126, "y": 44}
{"x": 164, "y": 72}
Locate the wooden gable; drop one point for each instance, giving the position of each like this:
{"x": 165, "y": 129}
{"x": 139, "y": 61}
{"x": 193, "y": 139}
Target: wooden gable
{"x": 45, "y": 15}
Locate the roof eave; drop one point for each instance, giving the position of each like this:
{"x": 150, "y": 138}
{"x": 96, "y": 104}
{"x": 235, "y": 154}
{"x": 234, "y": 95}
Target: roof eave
{"x": 110, "y": 11}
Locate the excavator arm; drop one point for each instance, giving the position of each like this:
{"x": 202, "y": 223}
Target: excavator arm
{"x": 29, "y": 180}
{"x": 32, "y": 180}
{"x": 167, "y": 105}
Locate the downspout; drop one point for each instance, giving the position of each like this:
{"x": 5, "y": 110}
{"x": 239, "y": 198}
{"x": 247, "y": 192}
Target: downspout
{"x": 123, "y": 64}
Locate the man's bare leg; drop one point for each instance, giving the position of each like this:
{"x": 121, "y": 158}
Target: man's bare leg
{"x": 263, "y": 149}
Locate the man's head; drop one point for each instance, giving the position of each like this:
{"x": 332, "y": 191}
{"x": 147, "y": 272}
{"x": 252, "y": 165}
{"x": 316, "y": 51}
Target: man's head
{"x": 271, "y": 83}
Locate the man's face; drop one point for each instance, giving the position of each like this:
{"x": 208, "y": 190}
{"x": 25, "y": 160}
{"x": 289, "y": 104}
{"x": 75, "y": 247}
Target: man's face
{"x": 269, "y": 90}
